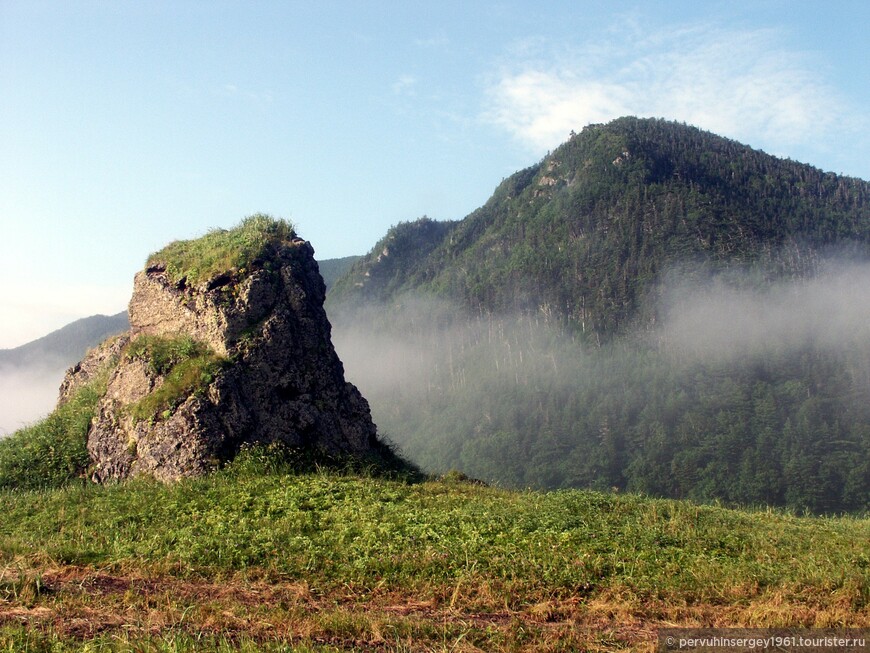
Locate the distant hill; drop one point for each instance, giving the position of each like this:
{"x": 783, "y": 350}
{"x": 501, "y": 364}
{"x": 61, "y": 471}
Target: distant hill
{"x": 30, "y": 374}
{"x": 332, "y": 269}
{"x": 651, "y": 307}
{"x": 67, "y": 345}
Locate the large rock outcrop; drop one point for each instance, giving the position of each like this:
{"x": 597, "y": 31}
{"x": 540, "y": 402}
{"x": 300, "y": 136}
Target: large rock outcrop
{"x": 242, "y": 356}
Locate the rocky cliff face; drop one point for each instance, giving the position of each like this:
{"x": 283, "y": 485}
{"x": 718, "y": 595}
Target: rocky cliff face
{"x": 242, "y": 357}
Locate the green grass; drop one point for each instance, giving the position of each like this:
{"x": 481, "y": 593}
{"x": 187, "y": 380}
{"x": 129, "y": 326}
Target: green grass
{"x": 341, "y": 529}
{"x": 23, "y": 640}
{"x": 52, "y": 451}
{"x": 222, "y": 251}
{"x": 162, "y": 353}
{"x": 188, "y": 366}
{"x": 330, "y": 560}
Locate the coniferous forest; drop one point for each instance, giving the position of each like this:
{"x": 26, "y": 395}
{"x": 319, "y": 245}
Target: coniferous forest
{"x": 650, "y": 308}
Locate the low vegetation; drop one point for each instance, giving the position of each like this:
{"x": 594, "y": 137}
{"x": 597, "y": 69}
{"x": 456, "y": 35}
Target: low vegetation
{"x": 187, "y": 365}
{"x": 53, "y": 451}
{"x": 222, "y": 251}
{"x": 263, "y": 556}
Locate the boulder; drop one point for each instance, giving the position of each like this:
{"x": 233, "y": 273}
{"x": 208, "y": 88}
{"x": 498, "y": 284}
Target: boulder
{"x": 242, "y": 356}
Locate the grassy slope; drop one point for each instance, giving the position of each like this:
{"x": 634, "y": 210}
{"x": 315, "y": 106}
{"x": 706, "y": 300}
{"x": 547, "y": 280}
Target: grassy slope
{"x": 269, "y": 561}
{"x": 52, "y": 451}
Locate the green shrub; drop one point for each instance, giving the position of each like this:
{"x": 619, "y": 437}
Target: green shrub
{"x": 383, "y": 461}
{"x": 221, "y": 250}
{"x": 54, "y": 451}
{"x": 187, "y": 365}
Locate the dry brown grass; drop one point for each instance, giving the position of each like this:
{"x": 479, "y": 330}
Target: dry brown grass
{"x": 80, "y": 603}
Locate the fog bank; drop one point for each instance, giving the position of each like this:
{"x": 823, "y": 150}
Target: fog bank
{"x": 716, "y": 321}
{"x": 27, "y": 395}
{"x": 732, "y": 371}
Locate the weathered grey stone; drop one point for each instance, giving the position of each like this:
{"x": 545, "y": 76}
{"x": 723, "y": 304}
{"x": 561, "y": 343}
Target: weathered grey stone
{"x": 90, "y": 366}
{"x": 282, "y": 381}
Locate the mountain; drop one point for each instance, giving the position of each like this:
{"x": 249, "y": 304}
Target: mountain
{"x": 30, "y": 374}
{"x": 587, "y": 234}
{"x": 650, "y": 308}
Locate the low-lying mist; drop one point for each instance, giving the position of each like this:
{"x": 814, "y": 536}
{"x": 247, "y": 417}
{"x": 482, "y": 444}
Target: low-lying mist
{"x": 27, "y": 394}
{"x": 716, "y": 321}
{"x": 737, "y": 394}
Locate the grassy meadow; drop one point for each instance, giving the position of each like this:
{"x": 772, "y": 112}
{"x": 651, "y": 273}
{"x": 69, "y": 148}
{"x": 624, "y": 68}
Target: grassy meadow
{"x": 262, "y": 557}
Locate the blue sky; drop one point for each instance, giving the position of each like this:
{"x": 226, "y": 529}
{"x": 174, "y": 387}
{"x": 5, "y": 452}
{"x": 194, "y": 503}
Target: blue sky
{"x": 124, "y": 125}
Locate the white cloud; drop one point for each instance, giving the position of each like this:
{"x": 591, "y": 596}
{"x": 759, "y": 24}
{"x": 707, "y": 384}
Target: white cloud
{"x": 405, "y": 85}
{"x": 541, "y": 108}
{"x": 439, "y": 40}
{"x": 741, "y": 84}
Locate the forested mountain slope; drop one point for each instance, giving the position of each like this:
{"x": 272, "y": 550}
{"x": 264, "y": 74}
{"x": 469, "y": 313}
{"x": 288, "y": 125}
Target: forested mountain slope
{"x": 651, "y": 307}
{"x": 587, "y": 233}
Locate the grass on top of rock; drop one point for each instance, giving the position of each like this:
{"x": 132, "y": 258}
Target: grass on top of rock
{"x": 222, "y": 251}
{"x": 187, "y": 365}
